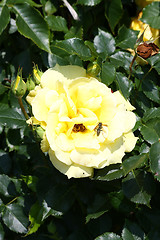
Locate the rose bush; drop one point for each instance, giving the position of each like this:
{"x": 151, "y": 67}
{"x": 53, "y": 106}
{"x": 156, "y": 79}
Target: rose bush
{"x": 86, "y": 125}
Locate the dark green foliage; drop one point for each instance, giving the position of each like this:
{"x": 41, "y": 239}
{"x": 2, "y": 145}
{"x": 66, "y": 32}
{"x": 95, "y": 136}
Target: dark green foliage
{"x": 120, "y": 202}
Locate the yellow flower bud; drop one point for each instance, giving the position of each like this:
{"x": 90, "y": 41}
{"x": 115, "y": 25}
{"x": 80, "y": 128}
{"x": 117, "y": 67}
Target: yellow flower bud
{"x": 30, "y": 84}
{"x": 19, "y": 86}
{"x": 37, "y": 74}
{"x": 93, "y": 69}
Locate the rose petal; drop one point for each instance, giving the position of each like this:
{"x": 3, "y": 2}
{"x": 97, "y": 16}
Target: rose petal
{"x": 51, "y": 79}
{"x": 39, "y": 107}
{"x": 121, "y": 100}
{"x": 123, "y": 121}
{"x": 64, "y": 142}
{"x": 85, "y": 140}
{"x": 129, "y": 141}
{"x": 89, "y": 157}
{"x": 51, "y": 97}
{"x": 73, "y": 170}
{"x": 71, "y": 71}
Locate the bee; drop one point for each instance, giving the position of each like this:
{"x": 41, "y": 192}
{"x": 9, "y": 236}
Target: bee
{"x": 99, "y": 128}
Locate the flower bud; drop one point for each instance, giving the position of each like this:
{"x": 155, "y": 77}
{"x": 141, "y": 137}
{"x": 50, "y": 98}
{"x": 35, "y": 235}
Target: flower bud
{"x": 40, "y": 132}
{"x": 146, "y": 50}
{"x": 30, "y": 84}
{"x": 93, "y": 69}
{"x": 19, "y": 86}
{"x": 37, "y": 74}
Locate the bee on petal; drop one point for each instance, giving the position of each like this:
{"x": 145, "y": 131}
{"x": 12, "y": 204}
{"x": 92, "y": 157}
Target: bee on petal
{"x": 99, "y": 128}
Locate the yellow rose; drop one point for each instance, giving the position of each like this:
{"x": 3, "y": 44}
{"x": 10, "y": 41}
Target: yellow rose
{"x": 149, "y": 34}
{"x": 87, "y": 126}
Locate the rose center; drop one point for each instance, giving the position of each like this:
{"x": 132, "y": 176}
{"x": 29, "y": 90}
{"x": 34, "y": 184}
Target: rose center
{"x": 79, "y": 128}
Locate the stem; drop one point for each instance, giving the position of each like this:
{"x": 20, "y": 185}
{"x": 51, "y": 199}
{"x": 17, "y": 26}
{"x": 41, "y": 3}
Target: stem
{"x": 22, "y": 108}
{"x": 14, "y": 199}
{"x": 130, "y": 67}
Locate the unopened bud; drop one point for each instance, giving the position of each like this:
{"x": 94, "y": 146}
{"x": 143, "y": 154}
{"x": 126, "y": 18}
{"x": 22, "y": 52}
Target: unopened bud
{"x": 40, "y": 132}
{"x": 93, "y": 69}
{"x": 37, "y": 74}
{"x": 30, "y": 84}
{"x": 19, "y": 86}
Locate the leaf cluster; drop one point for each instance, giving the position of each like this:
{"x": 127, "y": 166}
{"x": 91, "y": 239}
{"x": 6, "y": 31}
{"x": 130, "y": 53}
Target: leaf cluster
{"x": 121, "y": 202}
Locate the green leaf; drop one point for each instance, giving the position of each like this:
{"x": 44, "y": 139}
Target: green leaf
{"x": 57, "y": 23}
{"x": 126, "y": 38}
{"x": 134, "y": 162}
{"x": 59, "y": 198}
{"x": 124, "y": 84}
{"x": 14, "y": 137}
{"x": 104, "y": 44}
{"x": 53, "y": 59}
{"x": 32, "y": 25}
{"x": 74, "y": 46}
{"x": 144, "y": 148}
{"x": 89, "y": 2}
{"x": 138, "y": 187}
{"x": 14, "y": 218}
{"x": 2, "y": 89}
{"x": 74, "y": 32}
{"x": 49, "y": 7}
{"x": 142, "y": 103}
{"x": 30, "y": 2}
{"x": 151, "y": 113}
{"x": 151, "y": 90}
{"x": 97, "y": 208}
{"x": 31, "y": 182}
{"x": 1, "y": 232}
{"x": 154, "y": 156}
{"x": 119, "y": 202}
{"x": 108, "y": 236}
{"x": 4, "y": 18}
{"x": 114, "y": 13}
{"x": 96, "y": 215}
{"x": 7, "y": 187}
{"x": 121, "y": 59}
{"x": 154, "y": 61}
{"x": 151, "y": 130}
{"x": 109, "y": 173}
{"x": 47, "y": 211}
{"x": 35, "y": 218}
{"x": 75, "y": 60}
{"x": 132, "y": 231}
{"x": 151, "y": 15}
{"x": 5, "y": 162}
{"x": 12, "y": 118}
{"x": 38, "y": 213}
{"x": 92, "y": 48}
{"x": 108, "y": 73}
